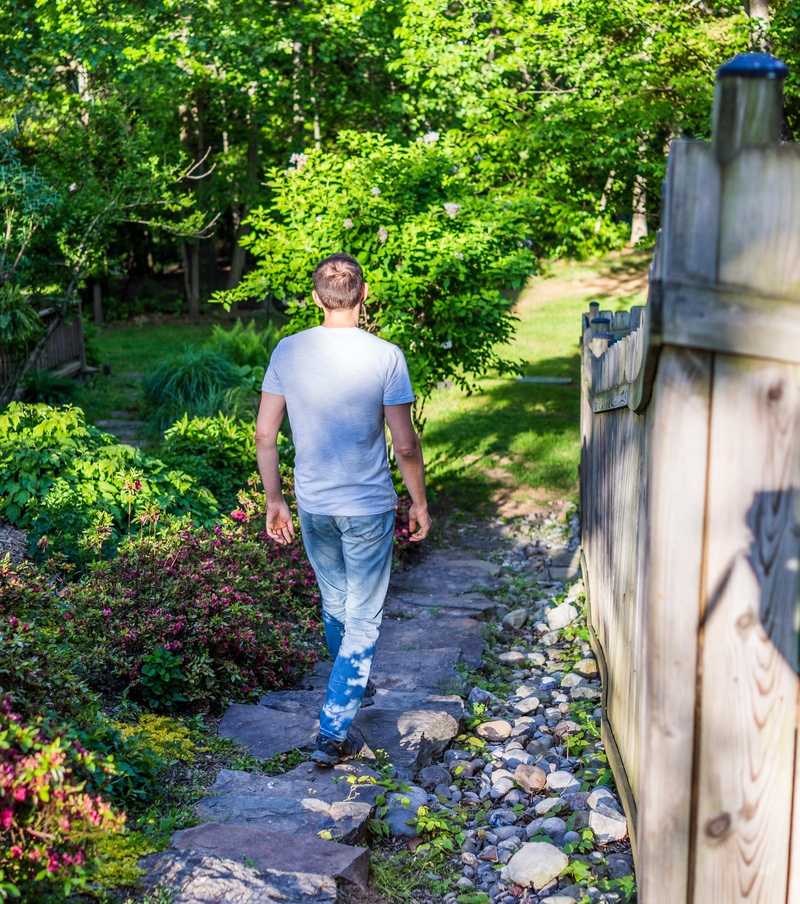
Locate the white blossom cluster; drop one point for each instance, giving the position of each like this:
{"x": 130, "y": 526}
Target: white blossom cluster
{"x": 458, "y": 255}
{"x": 348, "y": 223}
{"x": 430, "y": 137}
{"x": 452, "y": 209}
{"x": 299, "y": 160}
{"x": 383, "y": 234}
{"x": 448, "y": 344}
{"x": 375, "y": 190}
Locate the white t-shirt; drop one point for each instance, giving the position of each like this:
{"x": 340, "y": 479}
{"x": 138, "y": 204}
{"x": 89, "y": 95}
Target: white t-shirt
{"x": 336, "y": 382}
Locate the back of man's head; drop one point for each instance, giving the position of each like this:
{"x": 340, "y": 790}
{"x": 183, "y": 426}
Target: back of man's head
{"x": 338, "y": 281}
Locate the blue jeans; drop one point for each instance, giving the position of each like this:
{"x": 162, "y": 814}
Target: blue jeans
{"x": 352, "y": 560}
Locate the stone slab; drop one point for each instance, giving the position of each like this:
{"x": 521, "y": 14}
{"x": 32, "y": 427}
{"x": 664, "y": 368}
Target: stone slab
{"x": 427, "y": 633}
{"x": 413, "y": 729}
{"x": 199, "y": 878}
{"x": 468, "y": 604}
{"x": 309, "y": 799}
{"x": 267, "y": 850}
{"x": 265, "y": 732}
{"x": 409, "y": 669}
{"x": 448, "y": 571}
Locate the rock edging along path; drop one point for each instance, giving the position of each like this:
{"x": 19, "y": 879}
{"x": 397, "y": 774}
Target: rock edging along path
{"x": 289, "y": 838}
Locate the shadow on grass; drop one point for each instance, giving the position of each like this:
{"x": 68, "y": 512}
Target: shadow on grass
{"x": 510, "y": 436}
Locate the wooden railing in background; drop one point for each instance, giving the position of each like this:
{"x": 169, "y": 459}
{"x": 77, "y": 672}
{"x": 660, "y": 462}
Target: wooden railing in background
{"x": 64, "y": 349}
{"x": 690, "y": 483}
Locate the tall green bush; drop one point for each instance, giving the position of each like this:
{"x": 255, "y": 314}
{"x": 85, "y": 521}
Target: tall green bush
{"x": 438, "y": 249}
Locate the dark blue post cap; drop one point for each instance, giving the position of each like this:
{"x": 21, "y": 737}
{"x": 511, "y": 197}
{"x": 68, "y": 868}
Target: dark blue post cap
{"x": 600, "y": 320}
{"x": 608, "y": 336}
{"x": 753, "y": 65}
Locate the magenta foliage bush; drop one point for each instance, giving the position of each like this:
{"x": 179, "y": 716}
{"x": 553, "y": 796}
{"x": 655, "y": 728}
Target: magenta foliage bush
{"x": 47, "y": 815}
{"x": 238, "y": 612}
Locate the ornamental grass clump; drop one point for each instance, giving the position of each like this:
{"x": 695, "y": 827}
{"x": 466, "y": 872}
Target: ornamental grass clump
{"x": 49, "y": 820}
{"x": 225, "y": 612}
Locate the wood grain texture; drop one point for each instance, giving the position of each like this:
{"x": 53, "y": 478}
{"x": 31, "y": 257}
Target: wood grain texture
{"x": 732, "y": 320}
{"x": 678, "y": 465}
{"x": 691, "y": 216}
{"x": 759, "y": 237}
{"x": 749, "y": 638}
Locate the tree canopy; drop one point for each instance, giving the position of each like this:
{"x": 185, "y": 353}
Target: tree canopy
{"x": 154, "y": 130}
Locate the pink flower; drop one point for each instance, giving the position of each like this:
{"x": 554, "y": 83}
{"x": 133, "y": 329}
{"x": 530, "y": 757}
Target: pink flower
{"x": 239, "y": 515}
{"x": 6, "y": 818}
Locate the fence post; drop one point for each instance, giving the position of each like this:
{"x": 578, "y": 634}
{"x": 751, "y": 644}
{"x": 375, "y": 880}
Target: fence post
{"x": 748, "y": 104}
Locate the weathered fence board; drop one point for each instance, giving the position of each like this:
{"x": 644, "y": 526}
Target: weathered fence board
{"x": 690, "y": 498}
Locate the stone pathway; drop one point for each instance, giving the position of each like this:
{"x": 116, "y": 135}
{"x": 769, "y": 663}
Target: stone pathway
{"x": 260, "y": 828}
{"x": 126, "y": 429}
{"x": 524, "y": 793}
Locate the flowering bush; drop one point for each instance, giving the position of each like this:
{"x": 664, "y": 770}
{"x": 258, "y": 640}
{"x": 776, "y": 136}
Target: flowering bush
{"x": 47, "y": 815}
{"x": 36, "y": 667}
{"x": 236, "y": 611}
{"x": 438, "y": 250}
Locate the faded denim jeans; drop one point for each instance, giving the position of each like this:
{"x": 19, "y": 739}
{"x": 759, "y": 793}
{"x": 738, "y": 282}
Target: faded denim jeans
{"x": 352, "y": 559}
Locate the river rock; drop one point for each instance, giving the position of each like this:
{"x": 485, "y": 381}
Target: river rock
{"x": 561, "y": 616}
{"x": 607, "y": 824}
{"x": 530, "y": 778}
{"x": 515, "y": 619}
{"x": 563, "y": 782}
{"x": 535, "y": 865}
{"x": 496, "y": 730}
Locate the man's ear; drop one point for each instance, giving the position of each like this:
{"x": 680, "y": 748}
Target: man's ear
{"x": 364, "y": 292}
{"x": 317, "y": 302}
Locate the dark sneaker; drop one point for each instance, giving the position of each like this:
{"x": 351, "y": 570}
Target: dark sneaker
{"x": 369, "y": 695}
{"x": 330, "y": 753}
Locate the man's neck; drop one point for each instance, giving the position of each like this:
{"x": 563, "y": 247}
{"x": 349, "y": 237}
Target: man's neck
{"x": 342, "y": 319}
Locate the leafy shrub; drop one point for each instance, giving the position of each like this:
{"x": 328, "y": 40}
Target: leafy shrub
{"x": 219, "y": 452}
{"x": 47, "y": 817}
{"x": 37, "y": 668}
{"x": 239, "y": 611}
{"x": 198, "y": 382}
{"x": 162, "y": 679}
{"x": 246, "y": 346}
{"x": 64, "y": 478}
{"x": 45, "y": 386}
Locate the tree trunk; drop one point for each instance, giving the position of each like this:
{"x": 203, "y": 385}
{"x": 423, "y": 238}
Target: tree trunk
{"x": 97, "y": 302}
{"x": 603, "y": 202}
{"x": 190, "y": 252}
{"x": 240, "y": 211}
{"x": 639, "y": 221}
{"x": 758, "y": 11}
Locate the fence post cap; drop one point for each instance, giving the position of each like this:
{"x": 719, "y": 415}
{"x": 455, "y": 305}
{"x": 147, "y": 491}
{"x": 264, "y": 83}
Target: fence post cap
{"x": 753, "y": 65}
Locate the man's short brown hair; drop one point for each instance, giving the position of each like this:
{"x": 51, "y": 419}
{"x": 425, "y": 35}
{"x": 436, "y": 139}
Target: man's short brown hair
{"x": 339, "y": 280}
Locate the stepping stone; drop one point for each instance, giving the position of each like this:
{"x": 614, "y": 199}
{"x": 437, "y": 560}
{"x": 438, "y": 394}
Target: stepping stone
{"x": 265, "y": 732}
{"x": 199, "y": 878}
{"x": 308, "y": 800}
{"x": 447, "y": 572}
{"x": 413, "y": 604}
{"x": 413, "y": 729}
{"x": 427, "y": 633}
{"x": 434, "y": 670}
{"x": 267, "y": 850}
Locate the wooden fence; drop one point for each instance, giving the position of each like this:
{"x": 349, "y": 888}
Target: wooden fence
{"x": 690, "y": 482}
{"x": 65, "y": 349}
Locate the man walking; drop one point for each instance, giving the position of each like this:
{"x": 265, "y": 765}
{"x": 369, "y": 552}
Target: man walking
{"x": 339, "y": 384}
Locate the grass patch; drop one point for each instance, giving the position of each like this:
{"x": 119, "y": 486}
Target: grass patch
{"x": 513, "y": 444}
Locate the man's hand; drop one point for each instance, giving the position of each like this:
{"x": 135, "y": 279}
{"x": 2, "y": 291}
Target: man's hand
{"x": 419, "y": 523}
{"x": 279, "y": 523}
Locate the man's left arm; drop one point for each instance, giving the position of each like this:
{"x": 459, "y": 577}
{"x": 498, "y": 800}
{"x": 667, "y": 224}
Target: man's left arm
{"x": 270, "y": 418}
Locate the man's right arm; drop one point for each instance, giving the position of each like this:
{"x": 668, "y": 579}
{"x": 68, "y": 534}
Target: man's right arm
{"x": 408, "y": 453}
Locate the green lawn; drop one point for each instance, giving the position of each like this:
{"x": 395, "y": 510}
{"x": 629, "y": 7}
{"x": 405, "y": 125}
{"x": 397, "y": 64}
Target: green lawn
{"x": 513, "y": 444}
